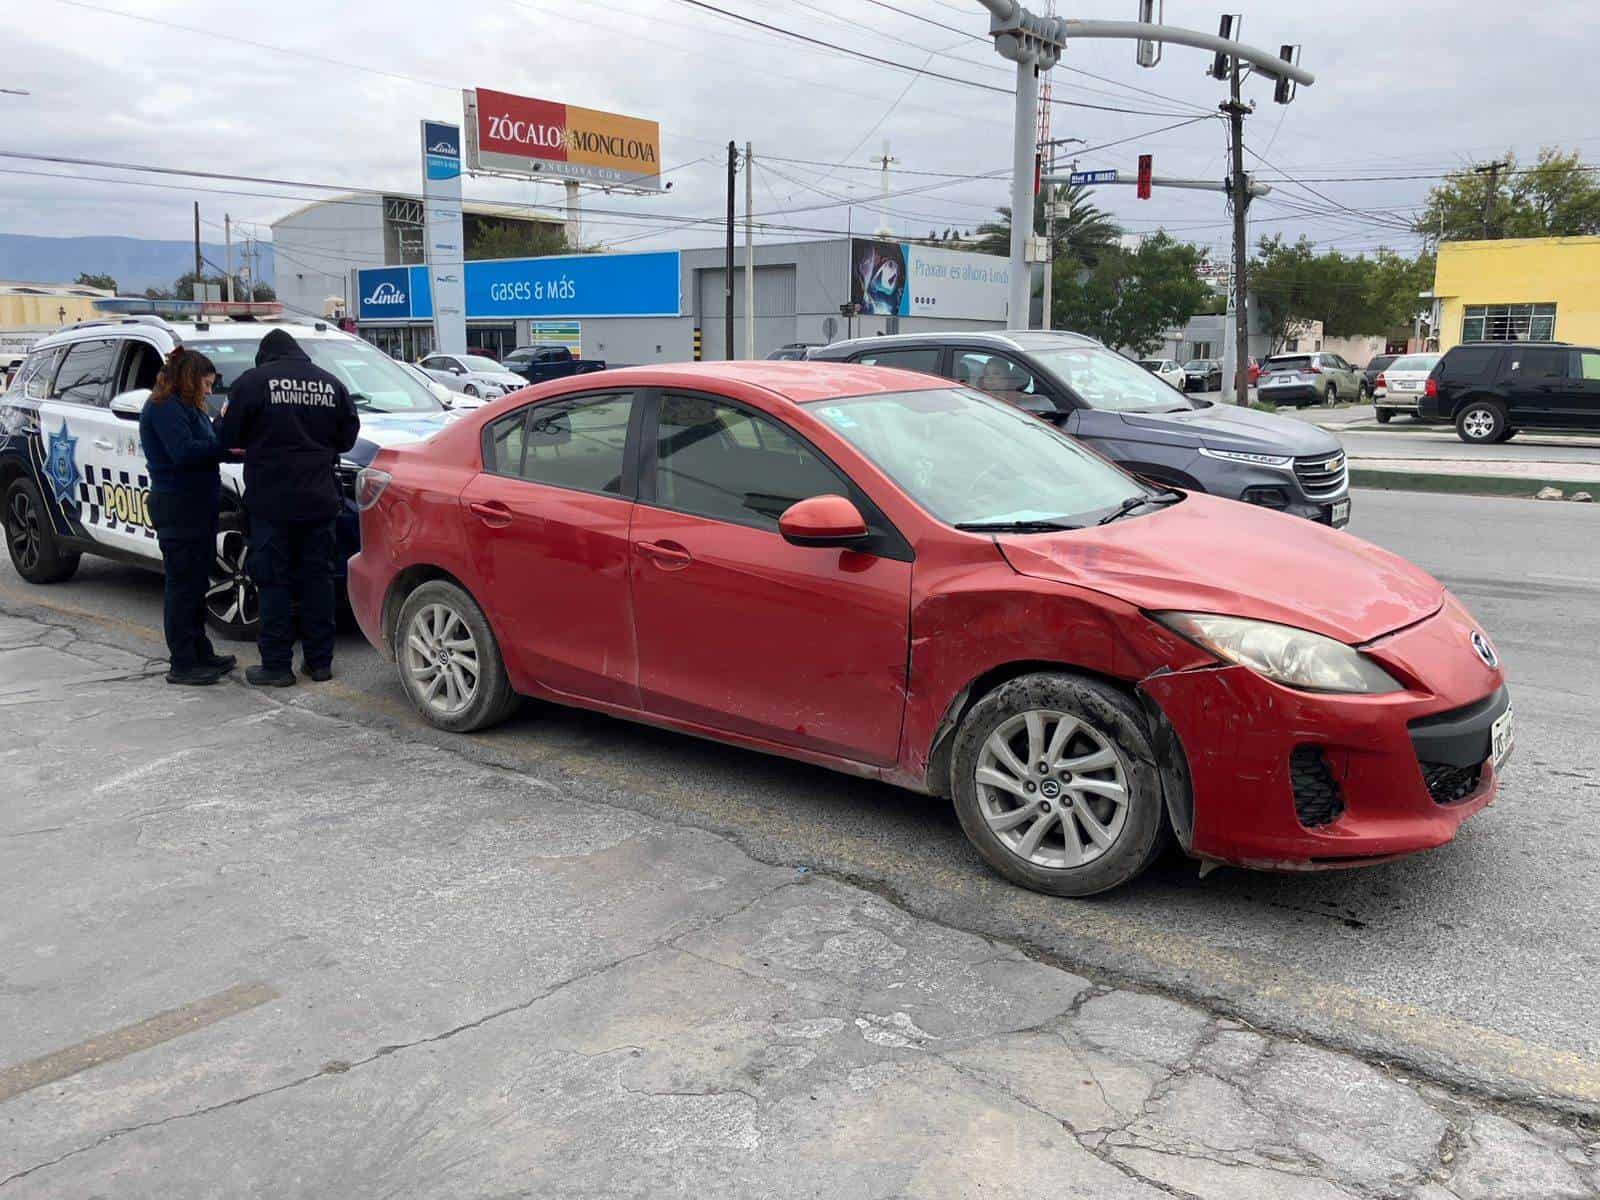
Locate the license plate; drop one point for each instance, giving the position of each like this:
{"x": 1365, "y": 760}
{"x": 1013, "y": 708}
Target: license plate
{"x": 1501, "y": 740}
{"x": 1280, "y": 380}
{"x": 1405, "y": 387}
{"x": 1341, "y": 512}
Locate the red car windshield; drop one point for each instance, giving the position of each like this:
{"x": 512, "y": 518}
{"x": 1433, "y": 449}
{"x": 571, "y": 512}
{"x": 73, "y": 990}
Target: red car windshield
{"x": 967, "y": 458}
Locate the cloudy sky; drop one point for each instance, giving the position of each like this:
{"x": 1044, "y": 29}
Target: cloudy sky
{"x": 320, "y": 93}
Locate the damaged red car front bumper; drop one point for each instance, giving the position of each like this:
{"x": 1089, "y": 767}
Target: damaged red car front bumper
{"x": 1287, "y": 779}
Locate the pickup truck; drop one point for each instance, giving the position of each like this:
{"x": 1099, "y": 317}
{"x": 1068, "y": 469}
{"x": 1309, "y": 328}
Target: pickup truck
{"x": 537, "y": 364}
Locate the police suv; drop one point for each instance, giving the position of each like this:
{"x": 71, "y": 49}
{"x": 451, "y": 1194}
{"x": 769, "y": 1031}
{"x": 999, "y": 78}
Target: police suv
{"x": 73, "y": 478}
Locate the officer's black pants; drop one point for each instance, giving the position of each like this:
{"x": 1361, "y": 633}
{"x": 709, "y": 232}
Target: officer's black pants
{"x": 292, "y": 565}
{"x": 186, "y": 530}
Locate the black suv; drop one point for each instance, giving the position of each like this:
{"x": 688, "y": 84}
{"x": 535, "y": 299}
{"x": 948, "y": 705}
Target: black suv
{"x": 1490, "y": 390}
{"x": 1131, "y": 416}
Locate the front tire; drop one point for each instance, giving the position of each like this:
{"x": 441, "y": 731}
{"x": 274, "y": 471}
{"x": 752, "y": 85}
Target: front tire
{"x": 31, "y": 538}
{"x": 1481, "y": 423}
{"x": 1331, "y": 396}
{"x": 1055, "y": 784}
{"x": 469, "y": 390}
{"x": 449, "y": 661}
{"x": 1384, "y": 415}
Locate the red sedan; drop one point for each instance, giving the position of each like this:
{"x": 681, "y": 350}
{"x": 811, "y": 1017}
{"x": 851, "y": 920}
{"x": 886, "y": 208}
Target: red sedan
{"x": 882, "y": 573}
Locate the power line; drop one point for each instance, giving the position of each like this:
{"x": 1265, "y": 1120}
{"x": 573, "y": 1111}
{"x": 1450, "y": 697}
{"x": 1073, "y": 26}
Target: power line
{"x": 900, "y": 66}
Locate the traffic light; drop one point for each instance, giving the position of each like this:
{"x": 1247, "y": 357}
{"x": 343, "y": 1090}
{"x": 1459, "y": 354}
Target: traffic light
{"x": 1285, "y": 90}
{"x": 1221, "y": 66}
{"x": 1145, "y": 167}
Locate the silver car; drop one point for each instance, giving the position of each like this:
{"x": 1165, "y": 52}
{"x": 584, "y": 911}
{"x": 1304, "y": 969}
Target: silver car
{"x": 1167, "y": 370}
{"x": 1302, "y": 379}
{"x": 1401, "y": 384}
{"x": 472, "y": 375}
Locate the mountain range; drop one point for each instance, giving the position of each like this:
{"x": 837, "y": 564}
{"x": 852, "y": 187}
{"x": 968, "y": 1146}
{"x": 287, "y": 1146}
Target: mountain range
{"x": 135, "y": 263}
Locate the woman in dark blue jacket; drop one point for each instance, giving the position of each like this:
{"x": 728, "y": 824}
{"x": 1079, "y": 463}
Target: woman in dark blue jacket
{"x": 182, "y": 452}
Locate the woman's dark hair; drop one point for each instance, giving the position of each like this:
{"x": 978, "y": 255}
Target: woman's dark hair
{"x": 183, "y": 375}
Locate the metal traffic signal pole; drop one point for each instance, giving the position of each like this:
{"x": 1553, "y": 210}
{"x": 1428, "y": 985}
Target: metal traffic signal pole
{"x": 1240, "y": 201}
{"x": 1035, "y": 43}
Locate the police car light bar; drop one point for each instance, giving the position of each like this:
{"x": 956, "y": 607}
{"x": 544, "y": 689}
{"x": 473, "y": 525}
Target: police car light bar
{"x": 133, "y": 306}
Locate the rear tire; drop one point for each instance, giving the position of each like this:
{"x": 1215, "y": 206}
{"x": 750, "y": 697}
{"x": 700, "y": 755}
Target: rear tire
{"x": 1093, "y": 819}
{"x": 1384, "y": 414}
{"x": 31, "y": 538}
{"x": 449, "y": 660}
{"x": 469, "y": 390}
{"x": 1481, "y": 423}
{"x": 1331, "y": 396}
{"x": 233, "y": 606}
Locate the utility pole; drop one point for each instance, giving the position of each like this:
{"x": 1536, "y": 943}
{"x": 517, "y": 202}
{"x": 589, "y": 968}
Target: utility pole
{"x": 1492, "y": 170}
{"x": 727, "y": 268}
{"x": 195, "y": 294}
{"x": 884, "y": 161}
{"x": 227, "y": 241}
{"x": 1240, "y": 199}
{"x": 749, "y": 253}
{"x": 1048, "y": 183}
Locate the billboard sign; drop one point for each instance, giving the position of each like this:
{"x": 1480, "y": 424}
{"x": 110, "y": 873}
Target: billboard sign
{"x": 524, "y": 136}
{"x": 561, "y": 286}
{"x": 900, "y": 279}
{"x": 445, "y": 236}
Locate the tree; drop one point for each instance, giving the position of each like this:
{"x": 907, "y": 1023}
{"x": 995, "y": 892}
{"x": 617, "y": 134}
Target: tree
{"x": 1081, "y": 234}
{"x": 183, "y": 287}
{"x": 262, "y": 291}
{"x": 1556, "y": 197}
{"x": 1129, "y": 298}
{"x": 1292, "y": 285}
{"x": 490, "y": 238}
{"x": 158, "y": 293}
{"x": 104, "y": 282}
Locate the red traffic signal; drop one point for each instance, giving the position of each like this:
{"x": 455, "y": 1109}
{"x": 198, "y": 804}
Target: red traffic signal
{"x": 1145, "y": 167}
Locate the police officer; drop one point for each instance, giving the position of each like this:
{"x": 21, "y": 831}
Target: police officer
{"x": 293, "y": 420}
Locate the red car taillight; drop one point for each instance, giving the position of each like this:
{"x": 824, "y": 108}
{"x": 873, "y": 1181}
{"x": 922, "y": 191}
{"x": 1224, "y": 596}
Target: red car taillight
{"x": 1380, "y": 381}
{"x": 1432, "y": 388}
{"x": 1313, "y": 370}
{"x": 370, "y": 483}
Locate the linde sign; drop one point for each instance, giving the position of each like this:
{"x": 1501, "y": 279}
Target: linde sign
{"x": 542, "y": 137}
{"x": 384, "y": 295}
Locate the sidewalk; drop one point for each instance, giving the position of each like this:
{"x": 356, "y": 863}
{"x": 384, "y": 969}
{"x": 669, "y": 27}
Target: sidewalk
{"x": 251, "y": 951}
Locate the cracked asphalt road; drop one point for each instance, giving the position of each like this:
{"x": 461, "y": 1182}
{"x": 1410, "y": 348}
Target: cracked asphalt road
{"x": 1473, "y": 964}
{"x": 250, "y": 949}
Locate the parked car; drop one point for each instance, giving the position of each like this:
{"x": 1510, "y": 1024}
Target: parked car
{"x": 72, "y": 470}
{"x": 539, "y": 364}
{"x": 1202, "y": 375}
{"x": 791, "y": 351}
{"x": 1369, "y": 374}
{"x": 1113, "y": 405}
{"x": 440, "y": 393}
{"x": 1302, "y": 379}
{"x": 471, "y": 374}
{"x": 1167, "y": 370}
{"x": 1491, "y": 390}
{"x": 876, "y": 571}
{"x": 1253, "y": 371}
{"x": 1400, "y": 385}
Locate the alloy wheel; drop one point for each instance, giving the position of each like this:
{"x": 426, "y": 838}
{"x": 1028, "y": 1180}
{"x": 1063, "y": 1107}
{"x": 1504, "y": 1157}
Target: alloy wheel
{"x": 23, "y": 531}
{"x": 1053, "y": 789}
{"x": 1478, "y": 424}
{"x": 441, "y": 659}
{"x": 231, "y": 598}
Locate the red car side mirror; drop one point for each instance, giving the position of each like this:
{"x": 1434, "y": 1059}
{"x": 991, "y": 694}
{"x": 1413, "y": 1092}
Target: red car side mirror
{"x": 823, "y": 521}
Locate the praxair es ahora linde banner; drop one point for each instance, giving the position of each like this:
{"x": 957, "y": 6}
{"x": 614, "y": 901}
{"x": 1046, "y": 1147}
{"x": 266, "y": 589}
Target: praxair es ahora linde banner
{"x": 902, "y": 279}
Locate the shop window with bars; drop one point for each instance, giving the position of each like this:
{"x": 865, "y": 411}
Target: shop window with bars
{"x": 1509, "y": 323}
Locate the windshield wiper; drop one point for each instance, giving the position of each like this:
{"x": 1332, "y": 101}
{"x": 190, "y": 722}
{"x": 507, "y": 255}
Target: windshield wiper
{"x": 1014, "y": 526}
{"x": 1164, "y": 496}
{"x": 362, "y": 401}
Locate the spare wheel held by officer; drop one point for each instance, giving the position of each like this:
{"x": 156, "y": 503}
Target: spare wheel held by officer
{"x": 182, "y": 451}
{"x": 293, "y": 420}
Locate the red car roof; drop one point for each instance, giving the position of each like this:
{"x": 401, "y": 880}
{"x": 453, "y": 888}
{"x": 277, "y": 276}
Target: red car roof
{"x": 799, "y": 382}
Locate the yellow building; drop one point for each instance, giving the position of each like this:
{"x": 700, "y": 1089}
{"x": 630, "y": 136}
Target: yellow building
{"x": 28, "y": 311}
{"x": 1522, "y": 289}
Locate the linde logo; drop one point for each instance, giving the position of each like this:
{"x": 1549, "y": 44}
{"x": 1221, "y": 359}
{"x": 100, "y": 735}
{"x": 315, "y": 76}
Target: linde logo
{"x": 384, "y": 294}
{"x": 542, "y": 134}
{"x": 442, "y": 146}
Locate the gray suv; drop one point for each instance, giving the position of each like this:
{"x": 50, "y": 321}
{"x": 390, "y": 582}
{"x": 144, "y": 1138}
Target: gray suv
{"x": 1132, "y": 417}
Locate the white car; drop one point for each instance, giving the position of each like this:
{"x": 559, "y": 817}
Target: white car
{"x": 1167, "y": 370}
{"x": 1401, "y": 385}
{"x": 472, "y": 375}
{"x": 73, "y": 479}
{"x": 440, "y": 393}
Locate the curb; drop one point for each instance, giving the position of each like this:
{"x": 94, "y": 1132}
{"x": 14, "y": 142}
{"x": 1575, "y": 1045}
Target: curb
{"x": 1521, "y": 487}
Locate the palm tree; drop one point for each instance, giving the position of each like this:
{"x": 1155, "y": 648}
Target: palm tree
{"x": 1082, "y": 233}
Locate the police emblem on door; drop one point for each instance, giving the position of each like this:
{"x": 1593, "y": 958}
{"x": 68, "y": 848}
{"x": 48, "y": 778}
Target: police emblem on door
{"x": 61, "y": 464}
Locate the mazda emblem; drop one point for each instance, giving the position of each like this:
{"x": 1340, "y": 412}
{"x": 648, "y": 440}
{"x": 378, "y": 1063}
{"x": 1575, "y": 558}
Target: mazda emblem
{"x": 1485, "y": 651}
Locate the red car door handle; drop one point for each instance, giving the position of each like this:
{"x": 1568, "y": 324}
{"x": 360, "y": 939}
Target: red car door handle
{"x": 669, "y": 556}
{"x": 492, "y": 513}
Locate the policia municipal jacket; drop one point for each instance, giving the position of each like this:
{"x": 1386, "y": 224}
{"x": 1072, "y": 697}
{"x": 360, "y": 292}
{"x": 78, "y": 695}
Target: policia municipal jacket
{"x": 293, "y": 420}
